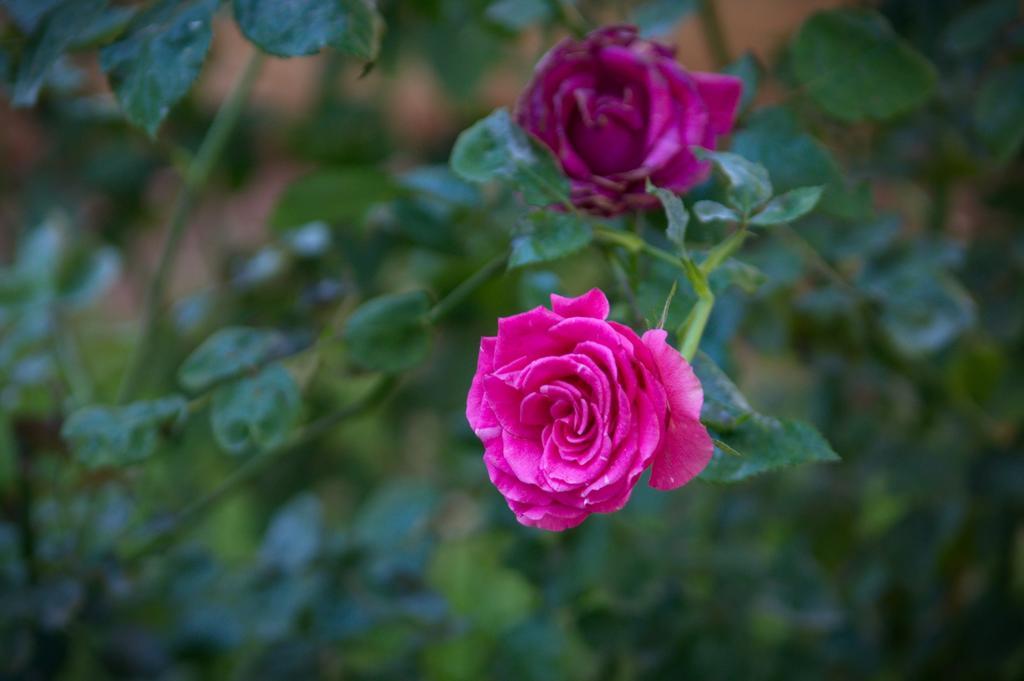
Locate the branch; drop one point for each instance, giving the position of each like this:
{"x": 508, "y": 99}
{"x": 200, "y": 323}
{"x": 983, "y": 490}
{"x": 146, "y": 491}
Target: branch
{"x": 255, "y": 466}
{"x": 195, "y": 177}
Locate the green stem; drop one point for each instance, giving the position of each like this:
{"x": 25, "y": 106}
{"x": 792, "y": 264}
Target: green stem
{"x": 724, "y": 250}
{"x": 713, "y": 33}
{"x": 634, "y": 244}
{"x": 464, "y": 290}
{"x": 195, "y": 177}
{"x": 69, "y": 357}
{"x": 697, "y": 276}
{"x": 256, "y": 465}
{"x": 695, "y": 324}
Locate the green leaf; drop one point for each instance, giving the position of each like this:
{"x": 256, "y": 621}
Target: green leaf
{"x": 676, "y": 213}
{"x": 762, "y": 444}
{"x": 52, "y": 37}
{"x": 788, "y": 207}
{"x": 551, "y": 236}
{"x": 255, "y": 413}
{"x": 439, "y": 182}
{"x": 86, "y": 277}
{"x": 794, "y": 159}
{"x": 28, "y": 14}
{"x": 855, "y": 67}
{"x": 734, "y": 272}
{"x": 749, "y": 185}
{"x": 979, "y": 26}
{"x": 116, "y": 436}
{"x": 725, "y": 407}
{"x": 105, "y": 28}
{"x": 660, "y": 17}
{"x": 923, "y": 308}
{"x": 228, "y": 353}
{"x": 302, "y": 27}
{"x": 712, "y": 211}
{"x": 999, "y": 112}
{"x": 469, "y": 576}
{"x": 155, "y": 62}
{"x": 294, "y": 535}
{"x": 394, "y": 515}
{"x": 515, "y": 15}
{"x": 747, "y": 69}
{"x": 390, "y": 333}
{"x": 496, "y": 148}
{"x": 332, "y": 195}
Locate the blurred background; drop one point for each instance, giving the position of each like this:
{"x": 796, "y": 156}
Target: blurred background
{"x": 893, "y": 318}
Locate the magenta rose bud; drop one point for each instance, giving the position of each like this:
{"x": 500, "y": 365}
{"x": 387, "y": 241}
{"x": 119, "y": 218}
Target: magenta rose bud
{"x": 616, "y": 110}
{"x": 573, "y": 408}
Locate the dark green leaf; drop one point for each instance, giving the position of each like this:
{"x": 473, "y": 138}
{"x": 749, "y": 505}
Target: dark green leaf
{"x": 749, "y": 186}
{"x": 552, "y": 236}
{"x": 301, "y": 27}
{"x": 747, "y": 69}
{"x": 676, "y": 213}
{"x": 333, "y": 195}
{"x": 794, "y": 159}
{"x": 116, "y": 436}
{"x": 762, "y": 444}
{"x": 155, "y": 62}
{"x": 712, "y": 211}
{"x": 854, "y": 66}
{"x": 229, "y": 352}
{"x": 496, "y": 148}
{"x": 725, "y": 407}
{"x": 999, "y": 112}
{"x": 515, "y": 15}
{"x": 660, "y": 17}
{"x": 788, "y": 207}
{"x": 47, "y": 43}
{"x": 390, "y": 333}
{"x": 255, "y": 413}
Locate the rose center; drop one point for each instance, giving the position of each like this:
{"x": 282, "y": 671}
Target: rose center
{"x": 608, "y": 131}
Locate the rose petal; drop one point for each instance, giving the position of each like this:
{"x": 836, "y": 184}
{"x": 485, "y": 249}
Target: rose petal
{"x": 686, "y": 446}
{"x": 721, "y": 95}
{"x": 593, "y": 303}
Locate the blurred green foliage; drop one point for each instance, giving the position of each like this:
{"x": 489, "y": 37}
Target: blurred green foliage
{"x": 892, "y": 317}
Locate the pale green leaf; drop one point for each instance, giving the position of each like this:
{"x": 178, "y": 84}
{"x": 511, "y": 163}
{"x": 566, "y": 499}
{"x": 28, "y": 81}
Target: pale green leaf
{"x": 788, "y": 207}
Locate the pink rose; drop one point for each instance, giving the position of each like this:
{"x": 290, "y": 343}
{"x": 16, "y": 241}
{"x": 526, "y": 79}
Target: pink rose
{"x": 573, "y": 408}
{"x": 617, "y": 110}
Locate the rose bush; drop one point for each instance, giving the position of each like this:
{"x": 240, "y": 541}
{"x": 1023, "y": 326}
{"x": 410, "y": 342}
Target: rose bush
{"x": 573, "y": 408}
{"x": 618, "y": 110}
